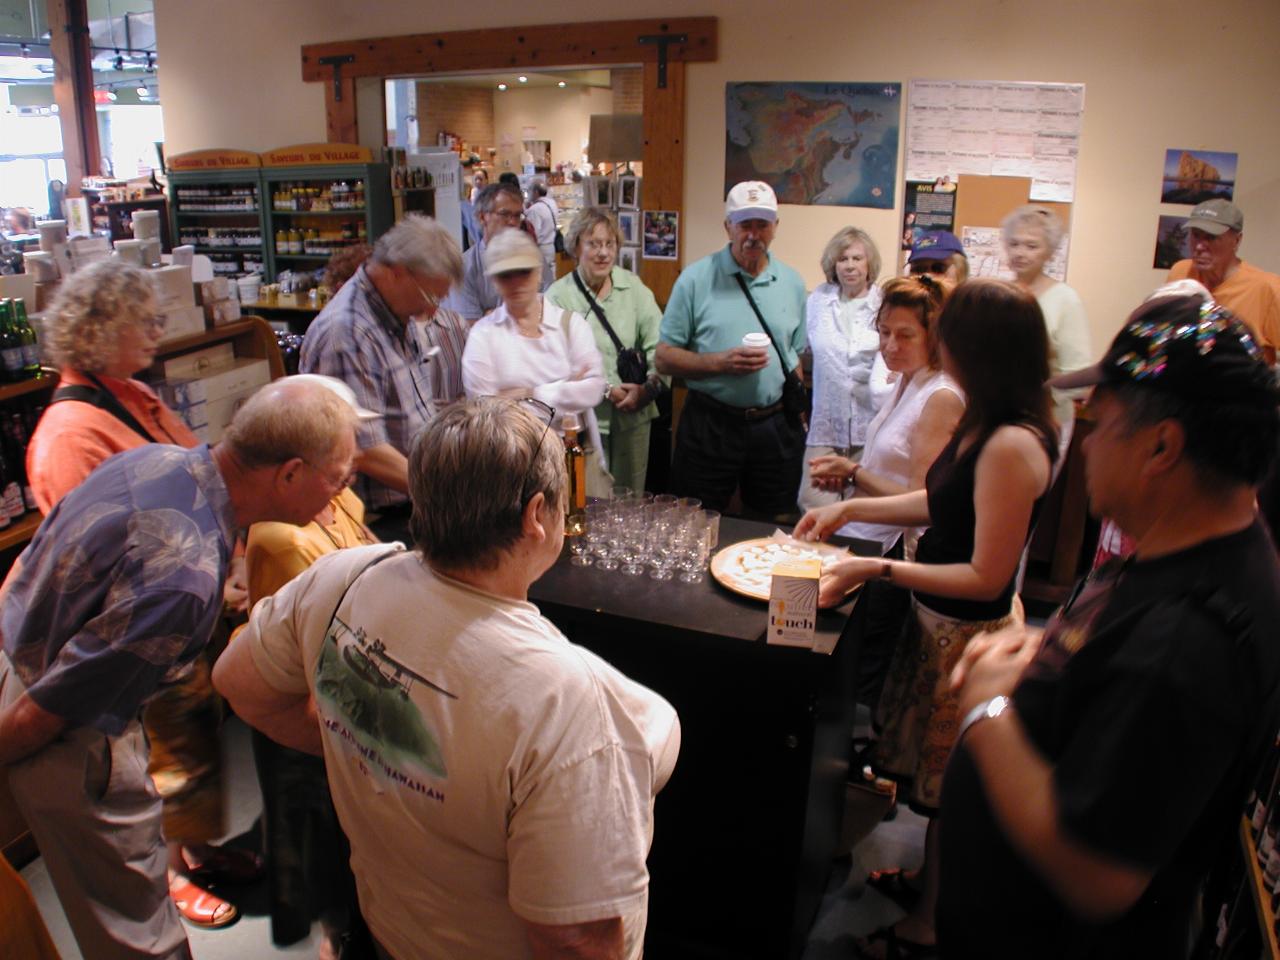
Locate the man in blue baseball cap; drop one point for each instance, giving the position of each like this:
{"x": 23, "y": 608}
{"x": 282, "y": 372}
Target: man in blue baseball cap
{"x": 941, "y": 254}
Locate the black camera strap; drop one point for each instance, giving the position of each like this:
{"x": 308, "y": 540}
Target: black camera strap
{"x": 763, "y": 326}
{"x": 598, "y": 311}
{"x": 102, "y": 398}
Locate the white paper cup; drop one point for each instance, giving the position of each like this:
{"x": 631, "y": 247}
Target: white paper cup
{"x": 756, "y": 340}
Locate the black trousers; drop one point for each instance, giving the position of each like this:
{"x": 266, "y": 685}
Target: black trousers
{"x": 717, "y": 453}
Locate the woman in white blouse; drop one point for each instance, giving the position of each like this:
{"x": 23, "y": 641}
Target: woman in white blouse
{"x": 849, "y": 378}
{"x": 1032, "y": 234}
{"x": 529, "y": 347}
{"x": 917, "y": 420}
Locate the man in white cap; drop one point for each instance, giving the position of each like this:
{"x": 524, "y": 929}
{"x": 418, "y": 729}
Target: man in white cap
{"x": 734, "y": 330}
{"x": 1215, "y": 229}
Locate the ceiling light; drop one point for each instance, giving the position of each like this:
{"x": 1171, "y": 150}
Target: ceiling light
{"x": 522, "y": 78}
{"x": 502, "y": 86}
{"x": 561, "y": 84}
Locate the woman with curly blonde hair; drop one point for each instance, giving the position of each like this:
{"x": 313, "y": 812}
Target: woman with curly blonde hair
{"x": 103, "y": 327}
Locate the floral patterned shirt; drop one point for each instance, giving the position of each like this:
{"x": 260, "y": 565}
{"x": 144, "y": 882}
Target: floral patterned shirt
{"x": 121, "y": 586}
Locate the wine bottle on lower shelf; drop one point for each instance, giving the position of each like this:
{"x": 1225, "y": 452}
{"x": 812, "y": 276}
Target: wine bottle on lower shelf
{"x": 1264, "y": 788}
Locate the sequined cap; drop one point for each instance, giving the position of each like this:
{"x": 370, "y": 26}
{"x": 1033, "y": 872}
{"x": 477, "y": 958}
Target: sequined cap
{"x": 1186, "y": 345}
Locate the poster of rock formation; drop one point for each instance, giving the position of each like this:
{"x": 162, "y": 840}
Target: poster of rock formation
{"x": 1194, "y": 176}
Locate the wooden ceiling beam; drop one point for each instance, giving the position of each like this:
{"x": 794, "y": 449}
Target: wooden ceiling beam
{"x": 506, "y": 48}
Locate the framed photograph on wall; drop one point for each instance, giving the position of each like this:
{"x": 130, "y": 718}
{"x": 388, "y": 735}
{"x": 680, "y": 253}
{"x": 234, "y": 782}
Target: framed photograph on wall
{"x": 629, "y": 224}
{"x": 661, "y": 234}
{"x": 629, "y": 258}
{"x": 598, "y": 191}
{"x": 629, "y": 193}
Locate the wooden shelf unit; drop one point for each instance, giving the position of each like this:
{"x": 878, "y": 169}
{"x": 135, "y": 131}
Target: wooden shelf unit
{"x": 1260, "y": 893}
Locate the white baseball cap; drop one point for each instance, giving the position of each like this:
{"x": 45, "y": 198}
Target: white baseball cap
{"x": 751, "y": 200}
{"x": 338, "y": 387}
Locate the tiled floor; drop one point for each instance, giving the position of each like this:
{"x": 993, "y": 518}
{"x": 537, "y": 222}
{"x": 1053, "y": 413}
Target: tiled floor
{"x": 846, "y": 912}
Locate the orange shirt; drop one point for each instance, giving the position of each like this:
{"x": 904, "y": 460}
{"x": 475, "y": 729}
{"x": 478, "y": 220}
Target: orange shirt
{"x": 1251, "y": 294}
{"x": 73, "y": 436}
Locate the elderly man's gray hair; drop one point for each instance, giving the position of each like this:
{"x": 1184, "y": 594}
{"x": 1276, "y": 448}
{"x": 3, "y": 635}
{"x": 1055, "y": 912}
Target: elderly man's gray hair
{"x": 422, "y": 245}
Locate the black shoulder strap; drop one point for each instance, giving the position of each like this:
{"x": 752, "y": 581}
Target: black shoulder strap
{"x": 763, "y": 326}
{"x": 102, "y": 398}
{"x": 598, "y": 310}
{"x": 362, "y": 571}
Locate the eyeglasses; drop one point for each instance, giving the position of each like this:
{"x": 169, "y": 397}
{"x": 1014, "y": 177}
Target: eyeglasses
{"x": 937, "y": 267}
{"x": 431, "y": 300}
{"x": 348, "y": 479}
{"x": 156, "y": 322}
{"x": 507, "y": 216}
{"x": 594, "y": 245}
{"x": 547, "y": 414}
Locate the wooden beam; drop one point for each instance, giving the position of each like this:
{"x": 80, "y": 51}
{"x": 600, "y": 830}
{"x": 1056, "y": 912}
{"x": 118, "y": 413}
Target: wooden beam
{"x": 663, "y": 189}
{"x": 546, "y": 45}
{"x": 73, "y": 89}
{"x": 340, "y": 115}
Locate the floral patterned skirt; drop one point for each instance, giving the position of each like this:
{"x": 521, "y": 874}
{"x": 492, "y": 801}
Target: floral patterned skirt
{"x": 917, "y": 714}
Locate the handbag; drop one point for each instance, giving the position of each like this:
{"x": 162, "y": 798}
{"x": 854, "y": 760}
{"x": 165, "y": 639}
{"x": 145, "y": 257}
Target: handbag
{"x": 633, "y": 367}
{"x": 795, "y": 398}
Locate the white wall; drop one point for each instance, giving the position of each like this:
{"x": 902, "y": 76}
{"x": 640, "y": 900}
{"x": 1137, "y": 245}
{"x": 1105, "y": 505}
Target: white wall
{"x": 1158, "y": 75}
{"x": 561, "y": 116}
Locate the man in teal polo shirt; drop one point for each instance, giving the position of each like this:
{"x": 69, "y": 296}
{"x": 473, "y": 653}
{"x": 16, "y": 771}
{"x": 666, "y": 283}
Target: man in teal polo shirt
{"x": 733, "y": 433}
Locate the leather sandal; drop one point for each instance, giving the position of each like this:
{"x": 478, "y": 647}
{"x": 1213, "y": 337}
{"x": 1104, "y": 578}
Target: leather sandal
{"x": 225, "y": 864}
{"x": 200, "y": 907}
{"x": 893, "y": 884}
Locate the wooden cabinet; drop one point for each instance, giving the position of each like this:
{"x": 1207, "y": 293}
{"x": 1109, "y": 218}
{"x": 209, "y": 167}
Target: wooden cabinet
{"x": 250, "y": 337}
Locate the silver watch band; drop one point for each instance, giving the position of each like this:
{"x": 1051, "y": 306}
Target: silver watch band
{"x": 987, "y": 710}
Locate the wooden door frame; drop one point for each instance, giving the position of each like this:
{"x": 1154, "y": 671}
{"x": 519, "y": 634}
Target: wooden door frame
{"x": 546, "y": 46}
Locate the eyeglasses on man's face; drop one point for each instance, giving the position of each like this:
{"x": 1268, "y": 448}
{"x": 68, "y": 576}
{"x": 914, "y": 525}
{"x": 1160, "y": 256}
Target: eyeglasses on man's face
{"x": 507, "y": 216}
{"x": 332, "y": 481}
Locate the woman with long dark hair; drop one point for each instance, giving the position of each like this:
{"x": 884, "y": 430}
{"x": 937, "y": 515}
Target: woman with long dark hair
{"x": 980, "y": 502}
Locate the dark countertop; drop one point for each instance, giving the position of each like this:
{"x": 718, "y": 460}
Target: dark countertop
{"x": 705, "y": 608}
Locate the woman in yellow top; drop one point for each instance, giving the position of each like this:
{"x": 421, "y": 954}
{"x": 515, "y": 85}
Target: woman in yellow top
{"x": 307, "y": 871}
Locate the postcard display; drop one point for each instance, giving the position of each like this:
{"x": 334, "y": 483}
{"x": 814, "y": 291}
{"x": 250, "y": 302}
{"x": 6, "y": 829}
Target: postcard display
{"x": 977, "y": 149}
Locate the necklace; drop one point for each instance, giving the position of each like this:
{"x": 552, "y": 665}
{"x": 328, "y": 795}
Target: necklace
{"x": 364, "y": 534}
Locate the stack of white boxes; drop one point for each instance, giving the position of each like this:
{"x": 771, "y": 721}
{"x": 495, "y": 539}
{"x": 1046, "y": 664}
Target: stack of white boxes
{"x": 177, "y": 301}
{"x": 206, "y": 387}
{"x": 218, "y": 298}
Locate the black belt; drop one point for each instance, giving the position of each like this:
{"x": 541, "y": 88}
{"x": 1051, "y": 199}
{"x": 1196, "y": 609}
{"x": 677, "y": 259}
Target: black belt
{"x": 749, "y": 414}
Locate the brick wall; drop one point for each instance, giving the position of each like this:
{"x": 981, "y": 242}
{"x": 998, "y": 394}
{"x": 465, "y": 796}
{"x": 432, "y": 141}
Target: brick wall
{"x": 628, "y": 90}
{"x": 466, "y": 112}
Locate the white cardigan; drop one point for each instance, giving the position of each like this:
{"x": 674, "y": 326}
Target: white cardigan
{"x": 850, "y": 380}
{"x": 563, "y": 372}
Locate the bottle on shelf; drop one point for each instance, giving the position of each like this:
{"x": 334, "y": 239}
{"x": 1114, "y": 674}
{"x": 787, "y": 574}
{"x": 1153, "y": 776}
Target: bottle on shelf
{"x": 30, "y": 348}
{"x": 15, "y": 439}
{"x": 575, "y": 462}
{"x": 11, "y": 354}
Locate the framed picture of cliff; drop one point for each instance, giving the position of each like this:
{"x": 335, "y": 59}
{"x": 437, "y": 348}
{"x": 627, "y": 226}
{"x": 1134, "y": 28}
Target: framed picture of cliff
{"x": 1194, "y": 176}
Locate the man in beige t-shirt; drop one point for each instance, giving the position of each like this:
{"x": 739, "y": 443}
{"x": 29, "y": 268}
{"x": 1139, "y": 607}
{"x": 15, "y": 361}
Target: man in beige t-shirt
{"x": 496, "y": 782}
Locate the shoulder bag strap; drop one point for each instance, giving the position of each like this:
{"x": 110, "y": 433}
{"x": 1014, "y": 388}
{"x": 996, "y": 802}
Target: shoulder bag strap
{"x": 363, "y": 570}
{"x": 598, "y": 311}
{"x": 786, "y": 371}
{"x": 103, "y": 399}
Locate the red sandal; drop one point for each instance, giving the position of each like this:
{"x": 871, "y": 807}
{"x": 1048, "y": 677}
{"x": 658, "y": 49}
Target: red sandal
{"x": 200, "y": 907}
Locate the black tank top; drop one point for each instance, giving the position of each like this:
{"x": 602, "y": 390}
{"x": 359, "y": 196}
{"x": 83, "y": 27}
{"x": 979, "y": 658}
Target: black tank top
{"x": 949, "y": 539}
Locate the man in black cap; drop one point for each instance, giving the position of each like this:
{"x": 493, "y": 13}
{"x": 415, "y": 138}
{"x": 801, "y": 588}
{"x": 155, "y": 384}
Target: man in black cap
{"x": 1214, "y": 231}
{"x": 1101, "y": 767}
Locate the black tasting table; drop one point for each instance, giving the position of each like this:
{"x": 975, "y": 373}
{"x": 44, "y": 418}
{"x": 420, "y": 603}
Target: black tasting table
{"x": 745, "y": 830}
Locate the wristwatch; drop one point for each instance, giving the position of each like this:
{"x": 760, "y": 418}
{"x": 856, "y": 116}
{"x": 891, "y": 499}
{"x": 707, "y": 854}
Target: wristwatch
{"x": 987, "y": 710}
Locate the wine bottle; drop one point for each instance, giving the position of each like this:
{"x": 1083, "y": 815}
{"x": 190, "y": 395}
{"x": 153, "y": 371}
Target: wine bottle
{"x": 15, "y": 435}
{"x": 10, "y": 344}
{"x": 27, "y": 334}
{"x": 575, "y": 462}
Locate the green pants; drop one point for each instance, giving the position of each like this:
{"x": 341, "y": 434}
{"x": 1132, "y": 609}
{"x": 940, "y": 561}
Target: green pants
{"x": 628, "y": 449}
